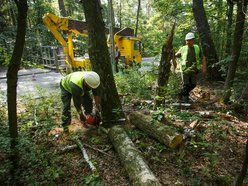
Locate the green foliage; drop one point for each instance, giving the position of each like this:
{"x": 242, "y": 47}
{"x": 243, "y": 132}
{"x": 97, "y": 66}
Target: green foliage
{"x": 4, "y": 146}
{"x": 136, "y": 134}
{"x": 199, "y": 144}
{"x": 36, "y": 117}
{"x": 44, "y": 110}
{"x": 158, "y": 115}
{"x": 38, "y": 164}
{"x": 92, "y": 180}
{"x": 185, "y": 116}
{"x": 4, "y": 56}
{"x": 160, "y": 147}
{"x": 134, "y": 83}
{"x": 213, "y": 158}
{"x": 223, "y": 180}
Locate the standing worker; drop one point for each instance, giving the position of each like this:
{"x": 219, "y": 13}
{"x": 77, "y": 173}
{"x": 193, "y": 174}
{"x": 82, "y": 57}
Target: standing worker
{"x": 190, "y": 64}
{"x": 117, "y": 57}
{"x": 77, "y": 86}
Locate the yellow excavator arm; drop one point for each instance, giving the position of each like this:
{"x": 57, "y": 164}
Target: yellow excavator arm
{"x": 54, "y": 24}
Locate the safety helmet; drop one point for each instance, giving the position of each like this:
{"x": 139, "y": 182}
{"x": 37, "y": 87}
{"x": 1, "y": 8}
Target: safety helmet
{"x": 189, "y": 36}
{"x": 92, "y": 79}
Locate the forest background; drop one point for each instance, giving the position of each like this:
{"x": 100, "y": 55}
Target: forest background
{"x": 153, "y": 25}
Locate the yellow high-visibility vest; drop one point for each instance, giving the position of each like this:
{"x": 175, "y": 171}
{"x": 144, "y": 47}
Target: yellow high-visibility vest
{"x": 76, "y": 78}
{"x": 184, "y": 53}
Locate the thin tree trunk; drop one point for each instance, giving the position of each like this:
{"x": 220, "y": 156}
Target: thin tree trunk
{"x": 62, "y": 8}
{"x": 220, "y": 29}
{"x": 99, "y": 57}
{"x": 243, "y": 172}
{"x": 138, "y": 171}
{"x": 237, "y": 43}
{"x": 207, "y": 43}
{"x": 12, "y": 82}
{"x": 12, "y": 13}
{"x": 120, "y": 14}
{"x": 137, "y": 19}
{"x": 229, "y": 27}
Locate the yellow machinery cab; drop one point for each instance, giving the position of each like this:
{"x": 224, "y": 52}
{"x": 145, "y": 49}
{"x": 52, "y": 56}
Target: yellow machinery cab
{"x": 54, "y": 24}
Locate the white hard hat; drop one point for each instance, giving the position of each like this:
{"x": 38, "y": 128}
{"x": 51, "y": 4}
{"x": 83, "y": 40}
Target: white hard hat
{"x": 189, "y": 36}
{"x": 92, "y": 79}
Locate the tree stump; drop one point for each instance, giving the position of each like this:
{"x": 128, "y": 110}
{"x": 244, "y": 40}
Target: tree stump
{"x": 163, "y": 133}
{"x": 138, "y": 171}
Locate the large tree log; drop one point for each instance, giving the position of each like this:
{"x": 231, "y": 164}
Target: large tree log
{"x": 163, "y": 133}
{"x": 138, "y": 171}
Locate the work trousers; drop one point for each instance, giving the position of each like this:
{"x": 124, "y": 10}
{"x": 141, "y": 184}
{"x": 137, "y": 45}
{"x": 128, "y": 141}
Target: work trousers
{"x": 189, "y": 83}
{"x": 86, "y": 102}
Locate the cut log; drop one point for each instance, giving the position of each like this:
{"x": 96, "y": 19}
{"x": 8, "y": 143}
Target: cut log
{"x": 163, "y": 133}
{"x": 138, "y": 171}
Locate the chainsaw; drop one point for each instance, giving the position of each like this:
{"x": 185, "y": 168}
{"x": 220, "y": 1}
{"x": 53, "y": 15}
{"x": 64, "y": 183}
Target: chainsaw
{"x": 96, "y": 119}
{"x": 93, "y": 119}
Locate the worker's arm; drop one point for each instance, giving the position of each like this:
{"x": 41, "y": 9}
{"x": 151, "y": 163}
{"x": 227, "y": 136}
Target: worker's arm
{"x": 177, "y": 55}
{"x": 97, "y": 98}
{"x": 76, "y": 96}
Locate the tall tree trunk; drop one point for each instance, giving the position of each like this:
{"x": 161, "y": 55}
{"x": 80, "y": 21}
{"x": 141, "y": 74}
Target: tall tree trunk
{"x": 220, "y": 29}
{"x": 229, "y": 27}
{"x": 111, "y": 32}
{"x": 137, "y": 20}
{"x": 99, "y": 56}
{"x": 207, "y": 43}
{"x": 237, "y": 43}
{"x": 164, "y": 67}
{"x": 62, "y": 8}
{"x": 12, "y": 81}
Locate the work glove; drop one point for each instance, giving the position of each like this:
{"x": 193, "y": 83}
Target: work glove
{"x": 191, "y": 70}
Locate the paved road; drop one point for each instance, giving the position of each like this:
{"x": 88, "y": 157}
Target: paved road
{"x": 29, "y": 81}
{"x": 147, "y": 63}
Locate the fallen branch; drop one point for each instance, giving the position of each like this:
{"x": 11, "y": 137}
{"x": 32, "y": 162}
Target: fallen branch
{"x": 98, "y": 150}
{"x": 101, "y": 128}
{"x": 72, "y": 147}
{"x": 68, "y": 148}
{"x": 85, "y": 155}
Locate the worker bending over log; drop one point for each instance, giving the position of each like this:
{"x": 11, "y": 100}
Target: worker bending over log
{"x": 76, "y": 86}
